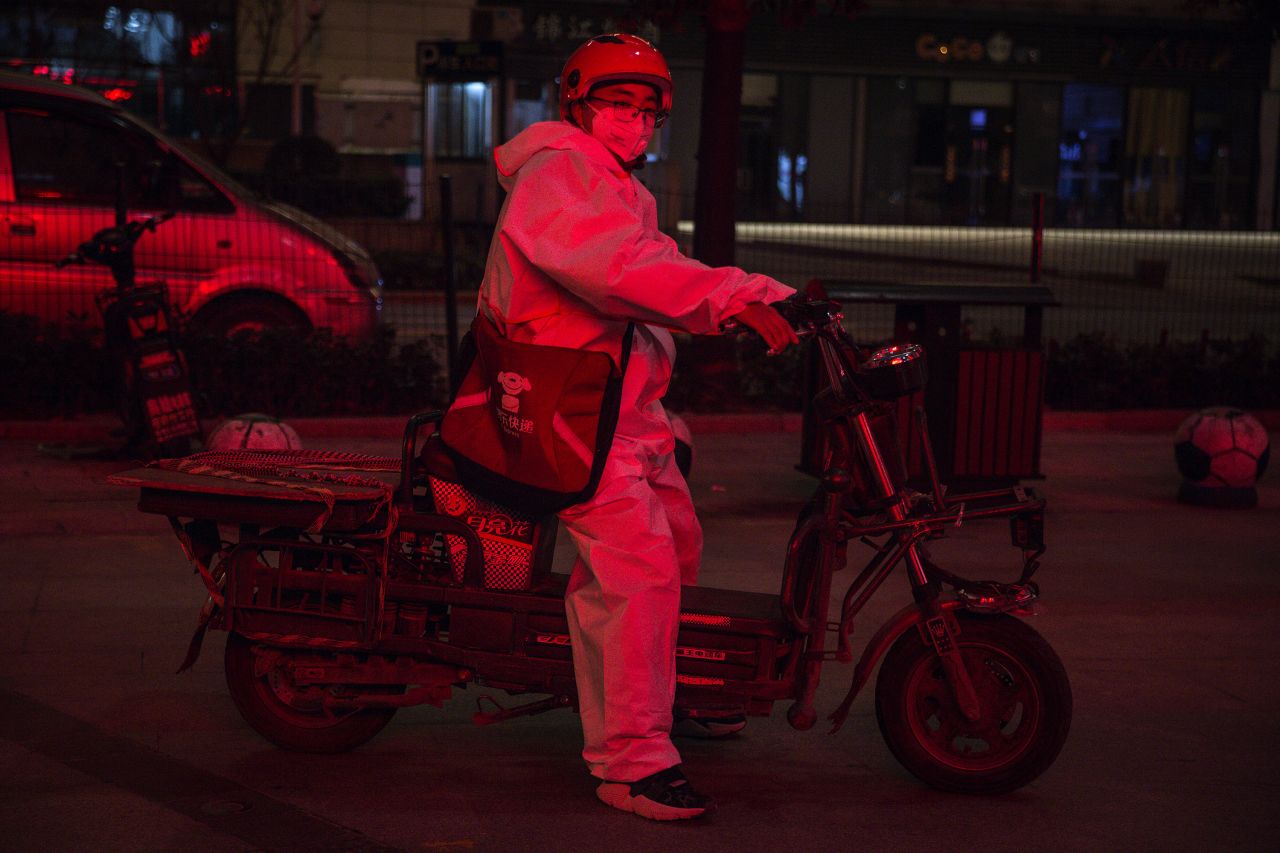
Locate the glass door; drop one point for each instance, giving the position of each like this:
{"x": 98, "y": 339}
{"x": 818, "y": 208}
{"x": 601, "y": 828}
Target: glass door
{"x": 978, "y": 160}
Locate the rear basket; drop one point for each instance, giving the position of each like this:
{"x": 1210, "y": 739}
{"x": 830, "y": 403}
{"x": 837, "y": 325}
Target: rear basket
{"x": 319, "y": 595}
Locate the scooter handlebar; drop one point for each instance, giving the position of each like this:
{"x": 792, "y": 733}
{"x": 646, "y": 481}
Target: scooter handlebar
{"x": 805, "y": 314}
{"x": 114, "y": 238}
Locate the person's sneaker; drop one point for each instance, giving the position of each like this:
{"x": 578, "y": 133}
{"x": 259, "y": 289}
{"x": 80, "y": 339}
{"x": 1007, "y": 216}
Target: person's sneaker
{"x": 708, "y": 727}
{"x": 666, "y": 795}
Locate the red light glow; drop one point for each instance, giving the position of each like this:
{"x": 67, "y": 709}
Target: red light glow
{"x": 65, "y": 75}
{"x": 117, "y": 94}
{"x": 108, "y": 81}
{"x": 199, "y": 44}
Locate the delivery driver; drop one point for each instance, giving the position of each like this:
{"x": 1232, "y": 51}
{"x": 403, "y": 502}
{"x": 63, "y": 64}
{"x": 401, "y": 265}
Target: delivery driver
{"x": 576, "y": 254}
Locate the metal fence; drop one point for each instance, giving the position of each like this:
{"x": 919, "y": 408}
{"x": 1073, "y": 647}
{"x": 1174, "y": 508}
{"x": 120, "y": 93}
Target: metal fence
{"x": 1129, "y": 286}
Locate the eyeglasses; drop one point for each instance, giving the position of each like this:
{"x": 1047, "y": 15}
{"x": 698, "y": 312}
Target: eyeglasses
{"x": 629, "y": 112}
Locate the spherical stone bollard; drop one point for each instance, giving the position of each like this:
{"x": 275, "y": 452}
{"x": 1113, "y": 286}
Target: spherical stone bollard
{"x": 253, "y": 431}
{"x": 1221, "y": 452}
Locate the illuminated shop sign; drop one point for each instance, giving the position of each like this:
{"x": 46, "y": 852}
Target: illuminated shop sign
{"x": 997, "y": 48}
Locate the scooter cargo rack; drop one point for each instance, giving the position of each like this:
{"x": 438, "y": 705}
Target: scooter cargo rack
{"x": 332, "y": 493}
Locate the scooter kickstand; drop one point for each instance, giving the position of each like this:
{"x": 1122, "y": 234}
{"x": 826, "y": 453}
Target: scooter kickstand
{"x": 484, "y": 718}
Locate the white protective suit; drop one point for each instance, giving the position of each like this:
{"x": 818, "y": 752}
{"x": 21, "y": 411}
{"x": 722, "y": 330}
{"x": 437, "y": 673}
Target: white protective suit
{"x": 575, "y": 255}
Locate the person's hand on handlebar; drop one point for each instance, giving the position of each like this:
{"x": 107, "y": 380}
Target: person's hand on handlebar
{"x": 769, "y": 324}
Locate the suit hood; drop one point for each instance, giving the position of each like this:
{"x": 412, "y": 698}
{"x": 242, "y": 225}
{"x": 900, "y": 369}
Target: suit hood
{"x": 549, "y": 136}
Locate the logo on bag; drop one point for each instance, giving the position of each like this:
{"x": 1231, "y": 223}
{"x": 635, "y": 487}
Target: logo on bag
{"x": 512, "y": 385}
{"x": 498, "y": 524}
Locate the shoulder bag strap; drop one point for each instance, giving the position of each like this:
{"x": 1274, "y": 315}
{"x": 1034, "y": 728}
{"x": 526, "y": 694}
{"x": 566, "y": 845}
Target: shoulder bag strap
{"x": 626, "y": 347}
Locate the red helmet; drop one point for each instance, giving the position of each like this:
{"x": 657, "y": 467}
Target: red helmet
{"x": 614, "y": 57}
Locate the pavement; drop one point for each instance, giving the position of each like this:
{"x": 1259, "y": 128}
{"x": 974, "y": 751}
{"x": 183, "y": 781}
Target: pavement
{"x": 1164, "y": 615}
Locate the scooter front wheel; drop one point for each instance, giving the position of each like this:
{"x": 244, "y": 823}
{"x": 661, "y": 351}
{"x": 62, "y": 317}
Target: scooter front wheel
{"x": 1025, "y": 702}
{"x": 290, "y": 715}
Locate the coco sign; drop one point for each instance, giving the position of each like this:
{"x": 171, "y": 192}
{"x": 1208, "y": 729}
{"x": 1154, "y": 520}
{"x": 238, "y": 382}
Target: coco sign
{"x": 998, "y": 48}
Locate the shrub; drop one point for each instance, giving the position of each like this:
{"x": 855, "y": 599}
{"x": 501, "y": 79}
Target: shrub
{"x": 1095, "y": 372}
{"x": 47, "y": 374}
{"x": 288, "y": 374}
{"x": 754, "y": 382}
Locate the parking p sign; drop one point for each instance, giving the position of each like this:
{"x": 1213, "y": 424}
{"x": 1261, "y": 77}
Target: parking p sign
{"x": 459, "y": 61}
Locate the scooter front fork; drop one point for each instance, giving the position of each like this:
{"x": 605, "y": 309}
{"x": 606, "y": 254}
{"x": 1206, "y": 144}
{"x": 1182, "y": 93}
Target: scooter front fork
{"x": 937, "y": 626}
{"x": 831, "y": 557}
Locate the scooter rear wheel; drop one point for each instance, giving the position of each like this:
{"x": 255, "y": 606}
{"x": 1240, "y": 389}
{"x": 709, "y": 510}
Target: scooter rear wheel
{"x": 1025, "y": 714}
{"x": 290, "y": 715}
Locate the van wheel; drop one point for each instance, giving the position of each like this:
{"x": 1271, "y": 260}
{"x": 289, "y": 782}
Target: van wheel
{"x": 248, "y": 315}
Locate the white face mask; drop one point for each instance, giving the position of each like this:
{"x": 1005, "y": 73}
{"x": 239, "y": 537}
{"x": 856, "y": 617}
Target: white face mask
{"x": 626, "y": 139}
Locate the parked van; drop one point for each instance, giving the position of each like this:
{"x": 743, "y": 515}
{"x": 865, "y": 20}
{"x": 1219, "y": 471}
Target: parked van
{"x": 231, "y": 259}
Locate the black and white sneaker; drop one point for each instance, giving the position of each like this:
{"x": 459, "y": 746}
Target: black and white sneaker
{"x": 666, "y": 795}
{"x": 701, "y": 726}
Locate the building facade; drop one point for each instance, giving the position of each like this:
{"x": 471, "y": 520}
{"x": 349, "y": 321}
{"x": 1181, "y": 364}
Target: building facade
{"x": 937, "y": 119}
{"x": 1120, "y": 115}
{"x": 926, "y": 116}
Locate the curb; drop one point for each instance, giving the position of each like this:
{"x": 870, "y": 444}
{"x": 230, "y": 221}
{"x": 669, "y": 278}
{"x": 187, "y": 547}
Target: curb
{"x": 100, "y": 427}
{"x": 1136, "y": 420}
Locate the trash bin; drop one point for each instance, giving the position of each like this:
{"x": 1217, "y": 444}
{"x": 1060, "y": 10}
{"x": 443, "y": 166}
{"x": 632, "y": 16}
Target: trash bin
{"x": 984, "y": 405}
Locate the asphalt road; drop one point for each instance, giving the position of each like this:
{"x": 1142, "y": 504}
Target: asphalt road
{"x": 1163, "y": 614}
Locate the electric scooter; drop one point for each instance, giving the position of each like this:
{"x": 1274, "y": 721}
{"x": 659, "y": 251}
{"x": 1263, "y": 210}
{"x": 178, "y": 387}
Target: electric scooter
{"x": 351, "y": 586}
{"x": 154, "y": 392}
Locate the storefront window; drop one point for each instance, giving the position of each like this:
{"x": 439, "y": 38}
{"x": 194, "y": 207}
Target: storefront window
{"x": 462, "y": 118}
{"x": 1155, "y": 157}
{"x": 758, "y": 148}
{"x": 1037, "y": 119}
{"x": 1089, "y": 149}
{"x": 929, "y": 159}
{"x": 535, "y": 101}
{"x": 1219, "y": 183}
{"x": 978, "y": 162}
{"x": 889, "y": 153}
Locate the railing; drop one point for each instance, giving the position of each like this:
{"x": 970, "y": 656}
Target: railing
{"x": 1126, "y": 287}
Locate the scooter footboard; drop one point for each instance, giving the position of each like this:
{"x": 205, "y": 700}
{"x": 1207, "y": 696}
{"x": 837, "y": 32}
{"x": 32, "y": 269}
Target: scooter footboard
{"x": 732, "y": 647}
{"x": 731, "y": 642}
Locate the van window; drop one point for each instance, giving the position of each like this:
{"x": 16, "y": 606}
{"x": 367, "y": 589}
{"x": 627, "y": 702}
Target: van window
{"x": 196, "y": 194}
{"x": 63, "y": 159}
{"x": 59, "y": 160}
